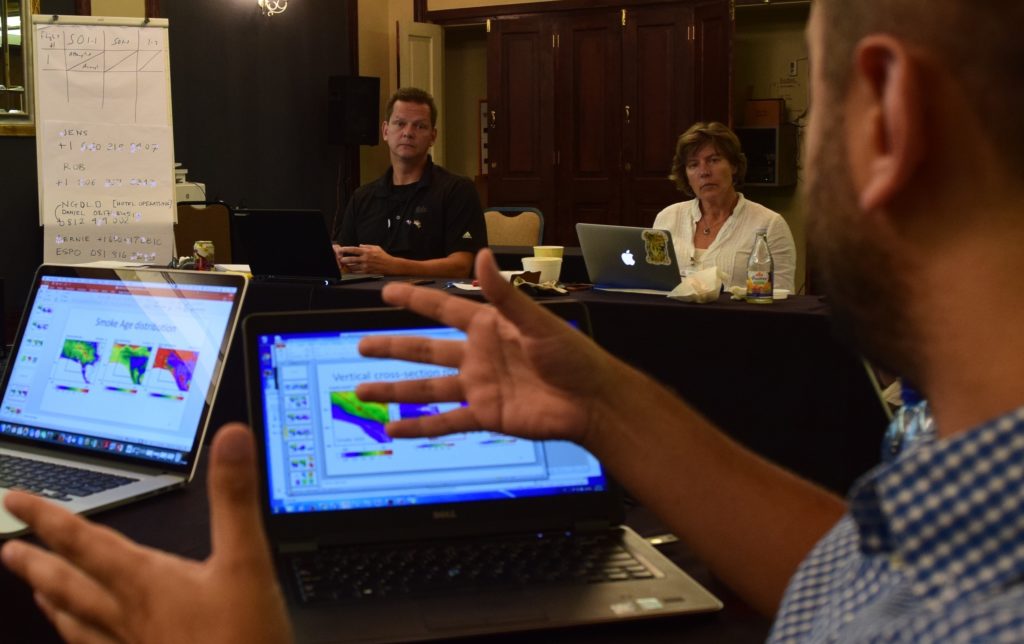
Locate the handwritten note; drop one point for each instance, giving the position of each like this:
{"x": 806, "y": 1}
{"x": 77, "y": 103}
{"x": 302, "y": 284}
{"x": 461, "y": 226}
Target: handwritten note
{"x": 107, "y": 192}
{"x": 104, "y": 141}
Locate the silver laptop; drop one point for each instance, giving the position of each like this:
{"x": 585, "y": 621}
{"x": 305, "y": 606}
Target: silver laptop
{"x": 629, "y": 258}
{"x": 109, "y": 385}
{"x": 384, "y": 540}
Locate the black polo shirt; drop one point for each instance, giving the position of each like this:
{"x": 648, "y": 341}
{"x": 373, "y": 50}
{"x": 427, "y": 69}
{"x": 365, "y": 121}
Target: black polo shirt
{"x": 430, "y": 219}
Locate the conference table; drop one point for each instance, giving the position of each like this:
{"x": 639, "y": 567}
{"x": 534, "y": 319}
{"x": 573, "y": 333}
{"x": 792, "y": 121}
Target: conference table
{"x": 178, "y": 522}
{"x": 772, "y": 376}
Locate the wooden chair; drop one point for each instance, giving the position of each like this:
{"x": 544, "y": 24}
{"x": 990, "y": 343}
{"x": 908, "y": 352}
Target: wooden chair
{"x": 204, "y": 220}
{"x": 514, "y": 226}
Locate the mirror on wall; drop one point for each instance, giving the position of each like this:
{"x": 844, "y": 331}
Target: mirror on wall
{"x": 15, "y": 70}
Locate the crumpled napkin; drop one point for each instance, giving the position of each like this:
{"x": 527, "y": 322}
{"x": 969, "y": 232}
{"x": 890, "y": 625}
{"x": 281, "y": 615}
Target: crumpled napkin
{"x": 529, "y": 282}
{"x": 523, "y": 280}
{"x": 702, "y": 286}
{"x": 737, "y": 292}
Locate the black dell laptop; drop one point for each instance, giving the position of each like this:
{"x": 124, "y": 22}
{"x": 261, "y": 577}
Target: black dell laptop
{"x": 287, "y": 245}
{"x": 379, "y": 539}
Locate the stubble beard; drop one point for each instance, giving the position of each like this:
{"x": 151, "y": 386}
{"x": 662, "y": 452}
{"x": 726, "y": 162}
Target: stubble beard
{"x": 863, "y": 280}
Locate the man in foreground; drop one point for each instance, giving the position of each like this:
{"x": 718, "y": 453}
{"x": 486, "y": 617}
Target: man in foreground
{"x": 417, "y": 219}
{"x": 918, "y": 218}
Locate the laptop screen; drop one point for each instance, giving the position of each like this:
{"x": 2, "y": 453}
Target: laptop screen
{"x": 327, "y": 451}
{"x": 118, "y": 366}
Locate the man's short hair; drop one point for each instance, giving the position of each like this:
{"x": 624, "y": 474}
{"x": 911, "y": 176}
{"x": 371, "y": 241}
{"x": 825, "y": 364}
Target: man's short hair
{"x": 978, "y": 44}
{"x": 412, "y": 95}
{"x": 692, "y": 140}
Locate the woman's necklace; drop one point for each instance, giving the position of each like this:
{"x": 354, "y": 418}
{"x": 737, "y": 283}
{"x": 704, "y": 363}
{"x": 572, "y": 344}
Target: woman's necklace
{"x": 707, "y": 227}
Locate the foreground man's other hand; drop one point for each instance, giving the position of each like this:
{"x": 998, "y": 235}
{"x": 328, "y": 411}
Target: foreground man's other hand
{"x": 98, "y": 586}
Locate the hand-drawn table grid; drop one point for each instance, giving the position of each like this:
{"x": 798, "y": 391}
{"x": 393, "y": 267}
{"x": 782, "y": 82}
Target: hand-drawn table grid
{"x": 104, "y": 67}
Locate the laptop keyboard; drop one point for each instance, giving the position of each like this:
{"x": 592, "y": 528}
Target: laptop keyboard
{"x": 348, "y": 573}
{"x": 58, "y": 482}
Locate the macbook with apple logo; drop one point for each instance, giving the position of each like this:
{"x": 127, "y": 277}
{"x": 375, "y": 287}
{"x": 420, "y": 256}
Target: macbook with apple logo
{"x": 629, "y": 258}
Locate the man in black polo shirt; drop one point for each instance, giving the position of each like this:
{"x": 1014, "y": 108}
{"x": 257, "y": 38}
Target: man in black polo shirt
{"x": 417, "y": 219}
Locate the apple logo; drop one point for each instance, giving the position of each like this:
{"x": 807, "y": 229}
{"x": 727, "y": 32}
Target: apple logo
{"x": 627, "y": 258}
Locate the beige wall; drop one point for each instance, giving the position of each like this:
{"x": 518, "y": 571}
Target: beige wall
{"x": 120, "y": 8}
{"x": 767, "y": 39}
{"x": 378, "y": 57}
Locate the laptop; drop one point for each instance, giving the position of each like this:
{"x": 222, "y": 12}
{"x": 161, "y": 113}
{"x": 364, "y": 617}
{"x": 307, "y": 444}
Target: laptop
{"x": 351, "y": 513}
{"x": 627, "y": 258}
{"x": 289, "y": 246}
{"x": 112, "y": 374}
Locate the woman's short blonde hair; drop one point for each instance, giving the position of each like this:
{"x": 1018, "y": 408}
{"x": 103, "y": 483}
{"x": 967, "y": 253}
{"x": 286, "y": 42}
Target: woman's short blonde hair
{"x": 695, "y": 138}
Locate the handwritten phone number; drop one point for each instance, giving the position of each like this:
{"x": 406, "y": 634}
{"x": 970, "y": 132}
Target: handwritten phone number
{"x": 99, "y": 218}
{"x": 130, "y": 148}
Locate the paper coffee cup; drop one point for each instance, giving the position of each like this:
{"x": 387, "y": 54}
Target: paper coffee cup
{"x": 548, "y": 251}
{"x": 548, "y": 267}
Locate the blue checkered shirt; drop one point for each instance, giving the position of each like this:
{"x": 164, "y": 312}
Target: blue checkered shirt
{"x": 932, "y": 549}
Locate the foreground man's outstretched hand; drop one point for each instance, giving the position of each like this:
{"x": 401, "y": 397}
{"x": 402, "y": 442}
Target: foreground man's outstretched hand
{"x": 98, "y": 586}
{"x": 522, "y": 370}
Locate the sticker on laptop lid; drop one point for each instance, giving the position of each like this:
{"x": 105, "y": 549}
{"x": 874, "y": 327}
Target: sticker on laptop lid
{"x": 656, "y": 247}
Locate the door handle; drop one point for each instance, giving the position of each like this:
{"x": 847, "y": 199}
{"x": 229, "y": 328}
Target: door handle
{"x": 627, "y": 114}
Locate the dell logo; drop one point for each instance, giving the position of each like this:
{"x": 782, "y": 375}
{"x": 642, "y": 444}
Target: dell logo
{"x": 445, "y": 514}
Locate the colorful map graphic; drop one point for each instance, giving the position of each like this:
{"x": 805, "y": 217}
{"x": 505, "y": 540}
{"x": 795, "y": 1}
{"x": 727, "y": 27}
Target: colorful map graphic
{"x": 368, "y": 416}
{"x": 84, "y": 352}
{"x": 180, "y": 363}
{"x": 134, "y": 357}
{"x": 371, "y": 417}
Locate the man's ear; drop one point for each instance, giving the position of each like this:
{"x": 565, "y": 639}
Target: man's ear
{"x": 384, "y": 130}
{"x": 884, "y": 119}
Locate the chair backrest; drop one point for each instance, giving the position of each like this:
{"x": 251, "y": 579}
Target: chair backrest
{"x": 514, "y": 226}
{"x": 204, "y": 220}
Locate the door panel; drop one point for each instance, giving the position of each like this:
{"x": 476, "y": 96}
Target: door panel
{"x": 589, "y": 138}
{"x": 658, "y": 80}
{"x": 714, "y": 29}
{"x": 520, "y": 96}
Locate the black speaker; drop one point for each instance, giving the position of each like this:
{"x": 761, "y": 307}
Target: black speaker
{"x": 353, "y": 110}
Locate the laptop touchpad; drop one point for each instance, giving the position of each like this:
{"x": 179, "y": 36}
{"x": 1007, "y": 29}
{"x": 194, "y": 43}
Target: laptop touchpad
{"x": 453, "y": 613}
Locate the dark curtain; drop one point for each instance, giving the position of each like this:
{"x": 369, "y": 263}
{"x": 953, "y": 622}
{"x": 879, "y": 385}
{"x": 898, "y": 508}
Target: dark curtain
{"x": 250, "y": 99}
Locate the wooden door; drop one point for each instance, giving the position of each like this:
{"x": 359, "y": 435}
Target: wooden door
{"x": 588, "y": 97}
{"x": 559, "y": 85}
{"x": 658, "y": 92}
{"x": 520, "y": 69}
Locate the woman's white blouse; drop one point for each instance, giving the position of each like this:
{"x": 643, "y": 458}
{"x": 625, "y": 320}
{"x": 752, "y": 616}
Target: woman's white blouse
{"x": 731, "y": 248}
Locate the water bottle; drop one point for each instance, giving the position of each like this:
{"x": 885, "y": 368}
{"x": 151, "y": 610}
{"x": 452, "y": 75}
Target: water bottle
{"x": 760, "y": 270}
{"x": 911, "y": 424}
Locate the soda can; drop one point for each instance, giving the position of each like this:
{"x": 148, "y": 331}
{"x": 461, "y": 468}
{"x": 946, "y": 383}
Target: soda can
{"x": 203, "y": 251}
